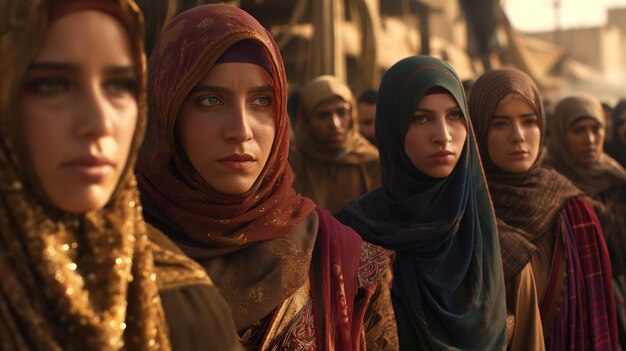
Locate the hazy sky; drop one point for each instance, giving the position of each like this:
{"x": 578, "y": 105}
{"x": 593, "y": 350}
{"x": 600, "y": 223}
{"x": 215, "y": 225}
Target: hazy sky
{"x": 538, "y": 15}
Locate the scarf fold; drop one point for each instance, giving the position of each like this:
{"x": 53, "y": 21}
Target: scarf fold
{"x": 448, "y": 290}
{"x": 75, "y": 282}
{"x": 270, "y": 224}
{"x": 527, "y": 204}
{"x": 594, "y": 178}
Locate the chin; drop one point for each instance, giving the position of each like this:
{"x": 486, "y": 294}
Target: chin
{"x": 81, "y": 201}
{"x": 236, "y": 189}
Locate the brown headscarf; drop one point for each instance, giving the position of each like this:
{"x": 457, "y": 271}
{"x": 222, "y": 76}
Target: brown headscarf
{"x": 594, "y": 178}
{"x": 257, "y": 246}
{"x": 525, "y": 203}
{"x": 331, "y": 179}
{"x": 72, "y": 282}
{"x": 356, "y": 148}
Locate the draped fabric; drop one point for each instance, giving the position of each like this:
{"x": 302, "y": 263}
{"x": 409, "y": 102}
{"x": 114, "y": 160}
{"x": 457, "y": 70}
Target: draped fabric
{"x": 577, "y": 308}
{"x": 586, "y": 318}
{"x": 448, "y": 290}
{"x": 593, "y": 178}
{"x": 71, "y": 282}
{"x": 331, "y": 178}
{"x": 525, "y": 203}
{"x": 257, "y": 247}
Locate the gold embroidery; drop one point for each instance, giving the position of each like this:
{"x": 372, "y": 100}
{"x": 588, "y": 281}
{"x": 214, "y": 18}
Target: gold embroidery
{"x": 206, "y": 23}
{"x": 171, "y": 36}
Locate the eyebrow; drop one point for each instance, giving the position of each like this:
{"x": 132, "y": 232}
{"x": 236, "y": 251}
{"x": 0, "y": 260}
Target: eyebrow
{"x": 64, "y": 67}
{"x": 455, "y": 108}
{"x": 530, "y": 114}
{"x": 218, "y": 89}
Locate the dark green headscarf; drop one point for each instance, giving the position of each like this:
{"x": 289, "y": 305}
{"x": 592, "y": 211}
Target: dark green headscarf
{"x": 448, "y": 289}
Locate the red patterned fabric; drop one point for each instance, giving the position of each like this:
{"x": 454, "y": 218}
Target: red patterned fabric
{"x": 586, "y": 318}
{"x": 256, "y": 246}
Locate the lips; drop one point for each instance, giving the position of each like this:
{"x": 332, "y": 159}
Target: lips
{"x": 443, "y": 157}
{"x": 442, "y": 153}
{"x": 92, "y": 168}
{"x": 238, "y": 162}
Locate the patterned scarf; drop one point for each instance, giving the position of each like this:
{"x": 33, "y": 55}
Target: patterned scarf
{"x": 71, "y": 282}
{"x": 526, "y": 204}
{"x": 268, "y": 224}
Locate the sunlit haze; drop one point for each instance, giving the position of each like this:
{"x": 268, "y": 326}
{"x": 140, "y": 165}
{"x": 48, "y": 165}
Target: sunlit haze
{"x": 539, "y": 15}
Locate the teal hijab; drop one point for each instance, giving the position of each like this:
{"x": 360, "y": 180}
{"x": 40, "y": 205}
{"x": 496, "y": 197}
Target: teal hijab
{"x": 448, "y": 289}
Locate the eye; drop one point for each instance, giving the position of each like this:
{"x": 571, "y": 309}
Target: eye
{"x": 456, "y": 115}
{"x": 262, "y": 101}
{"x": 343, "y": 111}
{"x": 420, "y": 118}
{"x": 323, "y": 115}
{"x": 209, "y": 101}
{"x": 51, "y": 85}
{"x": 121, "y": 85}
{"x": 530, "y": 121}
{"x": 499, "y": 123}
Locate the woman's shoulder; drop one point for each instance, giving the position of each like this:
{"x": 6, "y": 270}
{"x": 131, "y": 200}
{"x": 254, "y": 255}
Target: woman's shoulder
{"x": 371, "y": 260}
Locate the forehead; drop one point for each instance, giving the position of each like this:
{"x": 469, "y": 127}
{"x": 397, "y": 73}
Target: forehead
{"x": 332, "y": 103}
{"x": 439, "y": 100}
{"x": 88, "y": 35}
{"x": 585, "y": 122}
{"x": 516, "y": 102}
{"x": 237, "y": 73}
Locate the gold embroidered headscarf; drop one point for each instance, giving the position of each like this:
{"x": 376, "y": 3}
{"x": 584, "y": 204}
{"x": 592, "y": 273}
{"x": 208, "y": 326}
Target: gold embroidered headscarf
{"x": 70, "y": 282}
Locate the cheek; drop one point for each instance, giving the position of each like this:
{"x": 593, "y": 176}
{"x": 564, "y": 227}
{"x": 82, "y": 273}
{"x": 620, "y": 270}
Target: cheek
{"x": 573, "y": 142}
{"x": 414, "y": 144}
{"x": 45, "y": 132}
{"x": 265, "y": 134}
{"x": 126, "y": 126}
{"x": 495, "y": 143}
{"x": 195, "y": 134}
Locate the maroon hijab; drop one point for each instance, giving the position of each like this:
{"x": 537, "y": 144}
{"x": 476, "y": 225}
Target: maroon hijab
{"x": 257, "y": 243}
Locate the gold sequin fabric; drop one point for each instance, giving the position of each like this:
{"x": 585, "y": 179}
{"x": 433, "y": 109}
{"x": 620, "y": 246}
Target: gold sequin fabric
{"x": 69, "y": 282}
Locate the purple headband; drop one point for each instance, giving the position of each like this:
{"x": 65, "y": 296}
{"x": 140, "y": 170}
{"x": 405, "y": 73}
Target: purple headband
{"x": 247, "y": 51}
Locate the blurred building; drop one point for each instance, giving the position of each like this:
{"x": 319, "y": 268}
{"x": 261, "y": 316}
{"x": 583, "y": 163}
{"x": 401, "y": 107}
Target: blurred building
{"x": 594, "y": 57}
{"x": 357, "y": 40}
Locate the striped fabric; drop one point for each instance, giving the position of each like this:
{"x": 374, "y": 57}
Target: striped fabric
{"x": 586, "y": 317}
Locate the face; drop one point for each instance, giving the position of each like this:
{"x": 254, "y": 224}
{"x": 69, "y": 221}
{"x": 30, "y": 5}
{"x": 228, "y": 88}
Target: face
{"x": 621, "y": 127}
{"x": 78, "y": 110}
{"x": 367, "y": 115}
{"x": 226, "y": 126}
{"x": 514, "y": 136}
{"x": 330, "y": 123}
{"x": 436, "y": 135}
{"x": 585, "y": 140}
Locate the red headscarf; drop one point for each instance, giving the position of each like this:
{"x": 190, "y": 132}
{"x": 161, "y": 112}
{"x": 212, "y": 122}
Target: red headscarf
{"x": 263, "y": 225}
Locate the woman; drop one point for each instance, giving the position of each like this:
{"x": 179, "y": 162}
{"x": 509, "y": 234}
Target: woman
{"x": 433, "y": 209}
{"x": 616, "y": 148}
{"x": 78, "y": 271}
{"x": 214, "y": 176}
{"x": 576, "y": 150}
{"x": 331, "y": 160}
{"x": 571, "y": 265}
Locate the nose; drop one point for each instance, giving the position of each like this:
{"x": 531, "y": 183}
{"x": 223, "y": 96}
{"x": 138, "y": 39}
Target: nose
{"x": 517, "y": 133}
{"x": 590, "y": 137}
{"x": 94, "y": 112}
{"x": 441, "y": 131}
{"x": 336, "y": 121}
{"x": 237, "y": 126}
